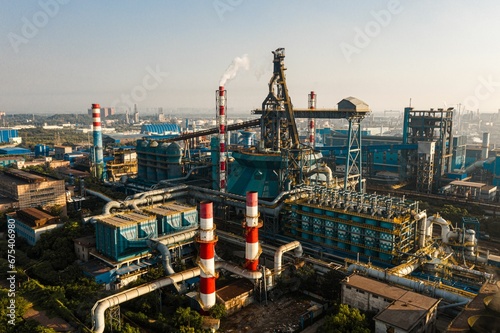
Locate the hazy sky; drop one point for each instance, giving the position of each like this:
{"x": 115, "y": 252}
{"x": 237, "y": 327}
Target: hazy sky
{"x": 62, "y": 55}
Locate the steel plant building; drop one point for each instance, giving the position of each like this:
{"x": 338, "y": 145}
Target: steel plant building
{"x": 32, "y": 190}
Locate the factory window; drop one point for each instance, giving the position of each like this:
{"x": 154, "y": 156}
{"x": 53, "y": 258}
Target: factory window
{"x": 361, "y": 292}
{"x": 375, "y": 296}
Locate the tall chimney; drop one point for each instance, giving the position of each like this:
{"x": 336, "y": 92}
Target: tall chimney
{"x": 312, "y": 106}
{"x": 207, "y": 241}
{"x": 98, "y": 153}
{"x": 221, "y": 120}
{"x": 252, "y": 225}
{"x": 485, "y": 146}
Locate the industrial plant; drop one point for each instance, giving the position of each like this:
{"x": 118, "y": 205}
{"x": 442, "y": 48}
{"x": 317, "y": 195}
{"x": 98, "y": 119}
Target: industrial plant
{"x": 285, "y": 191}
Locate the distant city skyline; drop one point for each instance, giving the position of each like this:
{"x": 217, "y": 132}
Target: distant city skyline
{"x": 60, "y": 56}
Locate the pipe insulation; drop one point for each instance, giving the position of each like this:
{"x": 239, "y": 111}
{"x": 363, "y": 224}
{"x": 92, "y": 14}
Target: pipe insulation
{"x": 278, "y": 256}
{"x": 100, "y": 307}
{"x": 417, "y": 286}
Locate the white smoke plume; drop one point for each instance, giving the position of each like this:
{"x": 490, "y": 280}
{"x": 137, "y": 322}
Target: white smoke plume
{"x": 475, "y": 139}
{"x": 232, "y": 70}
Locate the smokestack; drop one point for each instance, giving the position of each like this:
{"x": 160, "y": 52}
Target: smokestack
{"x": 485, "y": 146}
{"x": 221, "y": 120}
{"x": 312, "y": 106}
{"x": 252, "y": 225}
{"x": 207, "y": 241}
{"x": 98, "y": 153}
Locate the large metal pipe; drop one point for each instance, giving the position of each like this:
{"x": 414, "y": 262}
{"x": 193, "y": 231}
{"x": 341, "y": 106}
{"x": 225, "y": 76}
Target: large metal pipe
{"x": 417, "y": 286}
{"x": 487, "y": 276}
{"x": 168, "y": 181}
{"x": 478, "y": 164}
{"x": 149, "y": 200}
{"x": 99, "y": 195}
{"x": 162, "y": 245}
{"x": 405, "y": 268}
{"x": 421, "y": 219}
{"x": 278, "y": 256}
{"x": 238, "y": 270}
{"x": 243, "y": 199}
{"x": 445, "y": 227}
{"x": 219, "y": 197}
{"x": 157, "y": 191}
{"x": 100, "y": 307}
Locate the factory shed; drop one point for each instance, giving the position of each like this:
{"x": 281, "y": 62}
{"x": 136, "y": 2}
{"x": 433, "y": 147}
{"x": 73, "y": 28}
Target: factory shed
{"x": 9, "y": 160}
{"x": 352, "y": 103}
{"x": 31, "y": 223}
{"x": 121, "y": 138}
{"x": 174, "y": 217}
{"x": 236, "y": 295}
{"x": 124, "y": 236}
{"x": 15, "y": 151}
{"x": 411, "y": 313}
{"x": 32, "y": 190}
{"x": 398, "y": 310}
{"x": 160, "y": 129}
{"x": 83, "y": 246}
{"x": 8, "y": 134}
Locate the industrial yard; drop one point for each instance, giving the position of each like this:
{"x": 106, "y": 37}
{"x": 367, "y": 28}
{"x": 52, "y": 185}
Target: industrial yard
{"x": 258, "y": 201}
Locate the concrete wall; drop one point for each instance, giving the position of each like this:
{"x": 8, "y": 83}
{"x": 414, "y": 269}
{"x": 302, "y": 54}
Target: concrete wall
{"x": 363, "y": 300}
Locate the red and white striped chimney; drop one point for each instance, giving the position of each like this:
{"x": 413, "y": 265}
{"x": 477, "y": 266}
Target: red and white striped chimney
{"x": 252, "y": 225}
{"x": 221, "y": 120}
{"x": 312, "y": 106}
{"x": 207, "y": 241}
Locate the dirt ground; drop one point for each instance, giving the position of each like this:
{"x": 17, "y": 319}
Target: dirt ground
{"x": 282, "y": 315}
{"x": 56, "y": 323}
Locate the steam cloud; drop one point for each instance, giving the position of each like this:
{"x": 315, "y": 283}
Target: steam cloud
{"x": 475, "y": 139}
{"x": 232, "y": 70}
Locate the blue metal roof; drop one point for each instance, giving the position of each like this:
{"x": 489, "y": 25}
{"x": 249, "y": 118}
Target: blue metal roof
{"x": 14, "y": 151}
{"x": 164, "y": 128}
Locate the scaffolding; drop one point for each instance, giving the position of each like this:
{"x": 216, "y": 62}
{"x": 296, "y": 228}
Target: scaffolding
{"x": 428, "y": 126}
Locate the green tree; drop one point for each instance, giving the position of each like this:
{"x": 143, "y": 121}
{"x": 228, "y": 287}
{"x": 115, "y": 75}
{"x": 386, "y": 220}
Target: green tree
{"x": 453, "y": 213}
{"x": 18, "y": 306}
{"x": 330, "y": 285}
{"x": 218, "y": 311}
{"x": 347, "y": 320}
{"x": 188, "y": 318}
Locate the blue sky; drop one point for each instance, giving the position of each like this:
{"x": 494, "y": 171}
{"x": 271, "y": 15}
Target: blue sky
{"x": 438, "y": 53}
